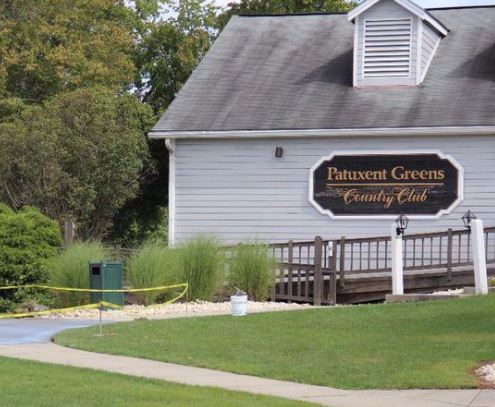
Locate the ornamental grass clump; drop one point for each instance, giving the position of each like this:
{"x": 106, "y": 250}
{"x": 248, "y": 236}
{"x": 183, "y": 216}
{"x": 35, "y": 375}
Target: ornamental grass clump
{"x": 201, "y": 263}
{"x": 71, "y": 269}
{"x": 153, "y": 265}
{"x": 252, "y": 270}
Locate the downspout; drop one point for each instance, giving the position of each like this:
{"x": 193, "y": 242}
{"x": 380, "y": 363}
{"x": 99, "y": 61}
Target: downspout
{"x": 170, "y": 144}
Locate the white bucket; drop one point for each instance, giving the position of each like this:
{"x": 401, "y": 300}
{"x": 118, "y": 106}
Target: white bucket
{"x": 239, "y": 304}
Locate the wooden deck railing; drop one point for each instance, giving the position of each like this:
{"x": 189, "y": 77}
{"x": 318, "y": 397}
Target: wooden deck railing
{"x": 304, "y": 273}
{"x": 313, "y": 271}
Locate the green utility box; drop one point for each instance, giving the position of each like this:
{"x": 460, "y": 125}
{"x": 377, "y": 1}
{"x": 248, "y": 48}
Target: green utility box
{"x": 106, "y": 276}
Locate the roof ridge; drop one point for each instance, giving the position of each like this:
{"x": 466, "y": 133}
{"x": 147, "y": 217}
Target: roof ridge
{"x": 460, "y": 7}
{"x": 339, "y": 13}
{"x": 293, "y": 14}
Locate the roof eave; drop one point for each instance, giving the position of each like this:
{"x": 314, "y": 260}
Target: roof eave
{"x": 363, "y": 132}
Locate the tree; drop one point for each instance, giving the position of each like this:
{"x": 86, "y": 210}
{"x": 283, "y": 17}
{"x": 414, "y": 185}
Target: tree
{"x": 284, "y": 7}
{"x": 48, "y": 47}
{"x": 78, "y": 156}
{"x": 170, "y": 49}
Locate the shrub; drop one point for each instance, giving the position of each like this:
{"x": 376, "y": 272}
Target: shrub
{"x": 252, "y": 269}
{"x": 27, "y": 240}
{"x": 152, "y": 265}
{"x": 133, "y": 226}
{"x": 70, "y": 269}
{"x": 201, "y": 265}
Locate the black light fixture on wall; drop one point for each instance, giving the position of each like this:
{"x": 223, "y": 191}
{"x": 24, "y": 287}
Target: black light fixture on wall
{"x": 402, "y": 221}
{"x": 279, "y": 152}
{"x": 467, "y": 218}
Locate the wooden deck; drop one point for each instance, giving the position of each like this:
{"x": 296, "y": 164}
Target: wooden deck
{"x": 350, "y": 271}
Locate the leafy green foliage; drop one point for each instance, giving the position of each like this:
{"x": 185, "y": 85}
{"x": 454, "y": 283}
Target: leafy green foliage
{"x": 201, "y": 265}
{"x": 86, "y": 162}
{"x": 153, "y": 265}
{"x": 70, "y": 269}
{"x": 49, "y": 47}
{"x": 284, "y": 7}
{"x": 27, "y": 240}
{"x": 170, "y": 49}
{"x": 132, "y": 227}
{"x": 252, "y": 269}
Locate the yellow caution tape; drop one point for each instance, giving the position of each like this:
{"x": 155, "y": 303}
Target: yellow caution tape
{"x": 92, "y": 290}
{"x": 89, "y": 306}
{"x": 184, "y": 291}
{"x": 60, "y": 310}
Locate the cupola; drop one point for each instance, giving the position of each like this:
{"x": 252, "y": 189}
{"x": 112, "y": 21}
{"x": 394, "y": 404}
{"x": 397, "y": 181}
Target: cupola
{"x": 394, "y": 42}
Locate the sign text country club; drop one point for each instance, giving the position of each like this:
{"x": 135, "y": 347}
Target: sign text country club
{"x": 386, "y": 184}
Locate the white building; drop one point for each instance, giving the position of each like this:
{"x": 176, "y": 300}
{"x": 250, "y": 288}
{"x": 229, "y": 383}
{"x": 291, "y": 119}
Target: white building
{"x": 386, "y": 90}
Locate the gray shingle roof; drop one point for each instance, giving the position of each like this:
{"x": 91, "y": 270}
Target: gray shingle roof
{"x": 295, "y": 72}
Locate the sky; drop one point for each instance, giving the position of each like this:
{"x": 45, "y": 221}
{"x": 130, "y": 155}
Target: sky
{"x": 223, "y": 3}
{"x": 422, "y": 3}
{"x": 453, "y": 3}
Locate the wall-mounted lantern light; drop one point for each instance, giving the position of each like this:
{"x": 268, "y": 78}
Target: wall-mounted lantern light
{"x": 402, "y": 221}
{"x": 467, "y": 218}
{"x": 279, "y": 152}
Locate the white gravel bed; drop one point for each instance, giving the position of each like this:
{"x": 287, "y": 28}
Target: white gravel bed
{"x": 487, "y": 372}
{"x": 458, "y": 291}
{"x": 197, "y": 308}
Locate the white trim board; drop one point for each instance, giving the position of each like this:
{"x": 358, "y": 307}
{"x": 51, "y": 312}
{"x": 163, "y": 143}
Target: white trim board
{"x": 419, "y": 52}
{"x": 362, "y": 132}
{"x": 452, "y": 160}
{"x": 170, "y": 144}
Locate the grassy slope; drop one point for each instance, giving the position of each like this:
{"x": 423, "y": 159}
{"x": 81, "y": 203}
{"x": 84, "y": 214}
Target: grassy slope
{"x": 26, "y": 383}
{"x": 424, "y": 345}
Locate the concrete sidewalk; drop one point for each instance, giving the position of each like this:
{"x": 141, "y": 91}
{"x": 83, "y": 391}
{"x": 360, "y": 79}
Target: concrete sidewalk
{"x": 51, "y": 353}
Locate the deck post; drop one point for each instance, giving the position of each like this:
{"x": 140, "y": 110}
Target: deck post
{"x": 449, "y": 254}
{"x": 397, "y": 263}
{"x": 342, "y": 263}
{"x": 290, "y": 269}
{"x": 318, "y": 277}
{"x": 479, "y": 257}
{"x": 333, "y": 275}
{"x": 273, "y": 295}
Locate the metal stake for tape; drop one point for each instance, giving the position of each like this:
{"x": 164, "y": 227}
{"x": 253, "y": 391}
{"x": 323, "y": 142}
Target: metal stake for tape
{"x": 100, "y": 309}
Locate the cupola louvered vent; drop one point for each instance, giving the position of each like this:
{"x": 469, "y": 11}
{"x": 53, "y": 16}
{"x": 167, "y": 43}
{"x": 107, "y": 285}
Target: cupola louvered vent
{"x": 387, "y": 48}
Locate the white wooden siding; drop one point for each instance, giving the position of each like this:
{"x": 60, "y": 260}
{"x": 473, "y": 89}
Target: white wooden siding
{"x": 238, "y": 190}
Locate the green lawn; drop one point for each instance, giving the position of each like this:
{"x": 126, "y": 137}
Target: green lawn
{"x": 412, "y": 345}
{"x": 25, "y": 383}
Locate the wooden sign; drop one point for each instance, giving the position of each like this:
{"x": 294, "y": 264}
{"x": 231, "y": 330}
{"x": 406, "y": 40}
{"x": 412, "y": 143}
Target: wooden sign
{"x": 384, "y": 185}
